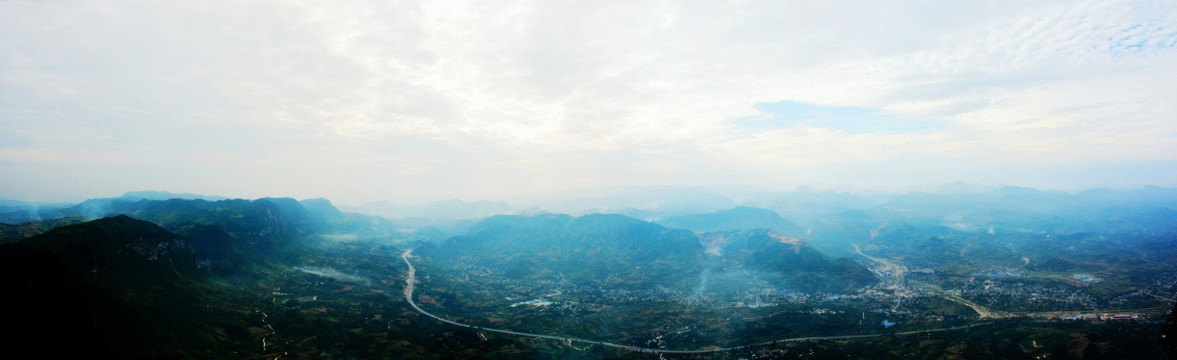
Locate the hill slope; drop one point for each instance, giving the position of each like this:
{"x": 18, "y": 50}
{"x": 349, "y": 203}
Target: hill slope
{"x": 616, "y": 250}
{"x": 120, "y": 286}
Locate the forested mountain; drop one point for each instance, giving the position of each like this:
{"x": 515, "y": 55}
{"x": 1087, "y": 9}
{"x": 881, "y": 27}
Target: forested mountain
{"x": 794, "y": 262}
{"x": 596, "y": 249}
{"x": 586, "y": 249}
{"x": 120, "y": 286}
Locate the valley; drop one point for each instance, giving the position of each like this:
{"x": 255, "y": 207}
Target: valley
{"x": 411, "y": 281}
{"x": 279, "y": 278}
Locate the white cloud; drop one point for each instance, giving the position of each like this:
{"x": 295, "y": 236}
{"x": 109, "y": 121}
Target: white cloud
{"x": 475, "y": 99}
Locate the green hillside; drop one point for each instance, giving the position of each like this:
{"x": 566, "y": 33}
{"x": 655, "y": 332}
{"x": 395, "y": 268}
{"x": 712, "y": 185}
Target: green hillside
{"x": 120, "y": 286}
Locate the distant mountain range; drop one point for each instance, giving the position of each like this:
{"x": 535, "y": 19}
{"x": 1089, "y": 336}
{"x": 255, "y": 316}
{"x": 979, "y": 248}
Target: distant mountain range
{"x": 739, "y": 218}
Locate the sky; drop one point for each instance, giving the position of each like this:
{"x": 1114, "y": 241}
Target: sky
{"x": 408, "y": 101}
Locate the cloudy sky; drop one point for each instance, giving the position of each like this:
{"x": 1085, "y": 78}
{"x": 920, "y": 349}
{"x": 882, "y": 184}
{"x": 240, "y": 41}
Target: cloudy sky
{"x": 415, "y": 101}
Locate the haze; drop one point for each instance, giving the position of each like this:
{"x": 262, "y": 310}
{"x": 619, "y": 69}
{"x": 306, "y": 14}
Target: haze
{"x": 413, "y": 102}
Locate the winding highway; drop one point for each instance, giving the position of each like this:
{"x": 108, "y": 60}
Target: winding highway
{"x": 411, "y": 280}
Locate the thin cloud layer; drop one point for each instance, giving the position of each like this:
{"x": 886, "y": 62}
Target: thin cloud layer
{"x": 415, "y": 101}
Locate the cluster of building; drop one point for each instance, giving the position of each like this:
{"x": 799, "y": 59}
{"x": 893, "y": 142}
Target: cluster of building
{"x": 1001, "y": 273}
{"x": 997, "y": 288}
{"x": 1028, "y": 296}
